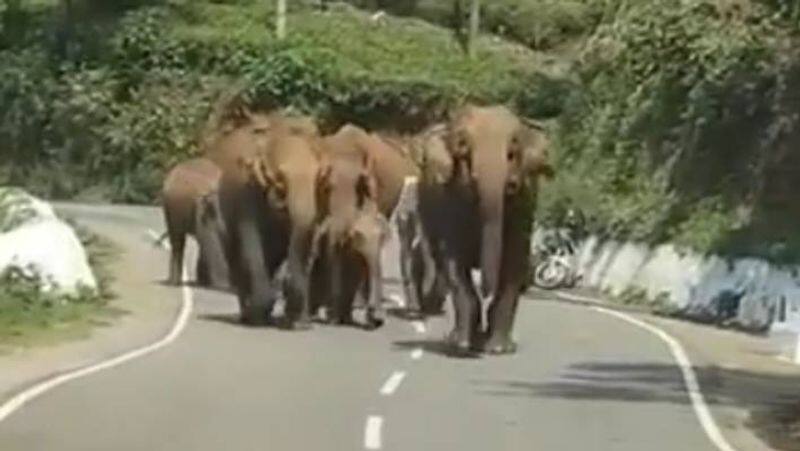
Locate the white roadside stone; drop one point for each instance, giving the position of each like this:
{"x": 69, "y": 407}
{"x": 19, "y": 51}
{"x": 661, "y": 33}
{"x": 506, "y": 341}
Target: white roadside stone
{"x": 32, "y": 238}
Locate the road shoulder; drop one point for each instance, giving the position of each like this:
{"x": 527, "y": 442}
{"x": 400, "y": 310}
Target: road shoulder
{"x": 750, "y": 392}
{"x": 147, "y": 308}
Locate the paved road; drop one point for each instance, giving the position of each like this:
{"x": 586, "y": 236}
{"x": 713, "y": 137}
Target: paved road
{"x": 580, "y": 381}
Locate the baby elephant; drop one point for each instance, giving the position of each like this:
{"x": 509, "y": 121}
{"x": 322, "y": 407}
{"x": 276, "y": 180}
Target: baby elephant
{"x": 191, "y": 207}
{"x": 347, "y": 260}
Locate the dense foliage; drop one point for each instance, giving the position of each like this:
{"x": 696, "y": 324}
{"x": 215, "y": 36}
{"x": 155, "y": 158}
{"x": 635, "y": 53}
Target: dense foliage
{"x": 126, "y": 94}
{"x": 685, "y": 128}
{"x": 673, "y": 120}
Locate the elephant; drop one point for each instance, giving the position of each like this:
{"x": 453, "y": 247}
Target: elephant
{"x": 377, "y": 170}
{"x": 345, "y": 261}
{"x": 267, "y": 193}
{"x": 353, "y": 229}
{"x": 423, "y": 284}
{"x": 478, "y": 192}
{"x": 189, "y": 201}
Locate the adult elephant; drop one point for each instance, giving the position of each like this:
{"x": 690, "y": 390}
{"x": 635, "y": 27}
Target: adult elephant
{"x": 267, "y": 193}
{"x": 189, "y": 202}
{"x": 477, "y": 199}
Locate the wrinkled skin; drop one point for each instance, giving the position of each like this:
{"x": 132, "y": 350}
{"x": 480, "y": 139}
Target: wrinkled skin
{"x": 353, "y": 230}
{"x": 287, "y": 173}
{"x": 269, "y": 167}
{"x": 343, "y": 262}
{"x": 391, "y": 163}
{"x": 189, "y": 202}
{"x": 477, "y": 198}
{"x": 424, "y": 283}
{"x": 212, "y": 267}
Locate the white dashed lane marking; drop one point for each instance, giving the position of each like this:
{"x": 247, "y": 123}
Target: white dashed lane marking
{"x": 419, "y": 326}
{"x": 416, "y": 354}
{"x": 372, "y": 432}
{"x": 393, "y": 383}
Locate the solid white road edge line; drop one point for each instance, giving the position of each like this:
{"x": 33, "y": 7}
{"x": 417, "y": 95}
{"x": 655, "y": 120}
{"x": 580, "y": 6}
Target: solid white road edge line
{"x": 689, "y": 378}
{"x": 797, "y": 350}
{"x": 575, "y": 297}
{"x": 22, "y": 398}
{"x": 372, "y": 432}
{"x": 393, "y": 383}
{"x": 416, "y": 354}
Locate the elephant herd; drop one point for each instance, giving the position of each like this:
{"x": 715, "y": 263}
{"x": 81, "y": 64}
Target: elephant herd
{"x": 279, "y": 209}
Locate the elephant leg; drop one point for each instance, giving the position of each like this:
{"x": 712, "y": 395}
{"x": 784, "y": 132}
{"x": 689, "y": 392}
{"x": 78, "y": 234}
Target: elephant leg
{"x": 466, "y": 306}
{"x": 319, "y": 290}
{"x": 409, "y": 269}
{"x": 503, "y": 309}
{"x": 201, "y": 269}
{"x": 434, "y": 286}
{"x": 216, "y": 268}
{"x": 345, "y": 279}
{"x": 257, "y": 297}
{"x": 373, "y": 286}
{"x": 177, "y": 243}
{"x": 436, "y": 297}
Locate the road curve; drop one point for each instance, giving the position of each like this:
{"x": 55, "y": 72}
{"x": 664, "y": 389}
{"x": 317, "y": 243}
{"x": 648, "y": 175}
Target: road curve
{"x": 580, "y": 381}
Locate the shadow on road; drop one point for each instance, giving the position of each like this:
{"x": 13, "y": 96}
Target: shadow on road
{"x": 437, "y": 347}
{"x": 772, "y": 400}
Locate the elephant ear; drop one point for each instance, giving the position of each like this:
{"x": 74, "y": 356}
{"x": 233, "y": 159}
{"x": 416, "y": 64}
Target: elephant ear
{"x": 261, "y": 173}
{"x": 367, "y": 182}
{"x": 534, "y": 152}
{"x": 437, "y": 162}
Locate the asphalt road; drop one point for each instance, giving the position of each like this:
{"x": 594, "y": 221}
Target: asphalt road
{"x": 224, "y": 386}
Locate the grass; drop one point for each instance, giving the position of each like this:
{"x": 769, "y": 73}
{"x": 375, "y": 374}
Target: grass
{"x": 393, "y": 49}
{"x": 31, "y": 317}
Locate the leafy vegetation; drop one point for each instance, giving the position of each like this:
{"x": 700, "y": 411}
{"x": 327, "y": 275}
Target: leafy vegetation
{"x": 683, "y": 126}
{"x": 115, "y": 112}
{"x": 672, "y": 120}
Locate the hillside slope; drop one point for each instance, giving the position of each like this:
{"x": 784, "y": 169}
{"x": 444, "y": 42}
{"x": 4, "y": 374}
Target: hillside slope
{"x": 674, "y": 120}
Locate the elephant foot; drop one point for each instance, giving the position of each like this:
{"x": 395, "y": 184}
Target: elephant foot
{"x": 255, "y": 317}
{"x": 459, "y": 345}
{"x": 301, "y": 324}
{"x": 500, "y": 345}
{"x": 413, "y": 314}
{"x": 374, "y": 321}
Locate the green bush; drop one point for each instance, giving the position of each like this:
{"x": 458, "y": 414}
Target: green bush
{"x": 115, "y": 119}
{"x": 677, "y": 131}
{"x": 538, "y": 24}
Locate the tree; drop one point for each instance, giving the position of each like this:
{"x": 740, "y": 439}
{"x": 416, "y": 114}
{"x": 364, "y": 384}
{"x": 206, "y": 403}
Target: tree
{"x": 467, "y": 33}
{"x": 280, "y": 19}
{"x": 474, "y": 25}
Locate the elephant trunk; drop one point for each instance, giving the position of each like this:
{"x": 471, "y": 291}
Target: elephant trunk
{"x": 302, "y": 214}
{"x": 490, "y": 171}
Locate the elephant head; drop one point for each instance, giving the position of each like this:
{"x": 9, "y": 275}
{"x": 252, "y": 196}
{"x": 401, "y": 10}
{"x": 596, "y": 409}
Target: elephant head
{"x": 346, "y": 182}
{"x": 287, "y": 172}
{"x": 493, "y": 152}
